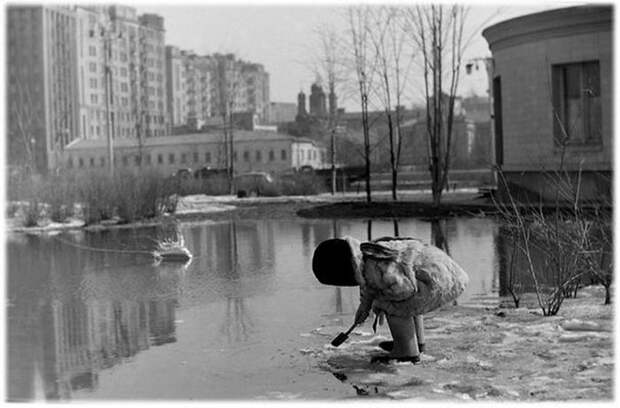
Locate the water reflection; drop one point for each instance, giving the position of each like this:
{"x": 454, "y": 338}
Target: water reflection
{"x": 68, "y": 319}
{"x": 74, "y": 313}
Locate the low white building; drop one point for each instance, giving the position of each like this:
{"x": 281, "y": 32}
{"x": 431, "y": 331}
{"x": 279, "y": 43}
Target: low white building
{"x": 252, "y": 151}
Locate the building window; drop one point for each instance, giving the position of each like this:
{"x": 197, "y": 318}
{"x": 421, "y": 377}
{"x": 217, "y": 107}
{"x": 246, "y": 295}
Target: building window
{"x": 93, "y": 98}
{"x": 246, "y": 156}
{"x": 577, "y": 103}
{"x": 183, "y": 158}
{"x": 196, "y": 157}
{"x": 235, "y": 155}
{"x": 81, "y": 162}
{"x": 272, "y": 155}
{"x": 92, "y": 51}
{"x": 92, "y": 67}
{"x": 123, "y": 72}
{"x": 102, "y": 161}
{"x": 160, "y": 159}
{"x": 283, "y": 154}
{"x": 92, "y": 162}
{"x": 171, "y": 158}
{"x": 70, "y": 163}
{"x": 148, "y": 160}
{"x": 259, "y": 156}
{"x": 208, "y": 157}
{"x": 137, "y": 159}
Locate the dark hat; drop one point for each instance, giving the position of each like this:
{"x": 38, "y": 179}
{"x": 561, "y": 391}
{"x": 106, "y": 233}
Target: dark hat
{"x": 333, "y": 263}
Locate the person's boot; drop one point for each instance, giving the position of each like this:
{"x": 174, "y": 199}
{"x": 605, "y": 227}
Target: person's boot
{"x": 389, "y": 345}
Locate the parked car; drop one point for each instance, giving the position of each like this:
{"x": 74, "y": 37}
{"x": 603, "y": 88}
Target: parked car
{"x": 206, "y": 172}
{"x": 183, "y": 174}
{"x": 253, "y": 184}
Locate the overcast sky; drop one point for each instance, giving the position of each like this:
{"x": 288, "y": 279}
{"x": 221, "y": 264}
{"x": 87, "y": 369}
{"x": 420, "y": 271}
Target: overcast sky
{"x": 279, "y": 36}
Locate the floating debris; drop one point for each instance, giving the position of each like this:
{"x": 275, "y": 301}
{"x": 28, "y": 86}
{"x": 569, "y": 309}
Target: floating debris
{"x": 172, "y": 250}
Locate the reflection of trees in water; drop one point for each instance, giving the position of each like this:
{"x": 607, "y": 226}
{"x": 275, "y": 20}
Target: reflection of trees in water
{"x": 439, "y": 237}
{"x": 85, "y": 318}
{"x": 237, "y": 322}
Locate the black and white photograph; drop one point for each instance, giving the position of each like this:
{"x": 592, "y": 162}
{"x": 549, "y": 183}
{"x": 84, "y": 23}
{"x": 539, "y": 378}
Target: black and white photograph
{"x": 330, "y": 202}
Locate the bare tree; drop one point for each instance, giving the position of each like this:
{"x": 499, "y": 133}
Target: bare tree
{"x": 388, "y": 39}
{"x": 23, "y": 123}
{"x": 359, "y": 19}
{"x": 437, "y": 30}
{"x": 328, "y": 67}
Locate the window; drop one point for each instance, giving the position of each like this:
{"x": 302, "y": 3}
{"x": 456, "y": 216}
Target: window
{"x": 123, "y": 72}
{"x": 160, "y": 159}
{"x": 92, "y": 51}
{"x": 246, "y": 156}
{"x": 171, "y": 158}
{"x": 196, "y": 157}
{"x": 124, "y": 87}
{"x": 208, "y": 157}
{"x": 70, "y": 163}
{"x": 137, "y": 160}
{"x": 259, "y": 156}
{"x": 102, "y": 161}
{"x": 93, "y": 83}
{"x": 183, "y": 158}
{"x": 148, "y": 159}
{"x": 577, "y": 103}
{"x": 235, "y": 155}
{"x": 283, "y": 154}
{"x": 93, "y": 98}
{"x": 92, "y": 67}
{"x": 272, "y": 156}
{"x": 81, "y": 162}
{"x": 92, "y": 162}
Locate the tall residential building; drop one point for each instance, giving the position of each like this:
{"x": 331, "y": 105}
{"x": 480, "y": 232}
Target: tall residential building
{"x": 42, "y": 84}
{"x": 210, "y": 84}
{"x": 257, "y": 89}
{"x": 152, "y": 74}
{"x": 197, "y": 89}
{"x": 175, "y": 85}
{"x": 106, "y": 37}
{"x": 131, "y": 46}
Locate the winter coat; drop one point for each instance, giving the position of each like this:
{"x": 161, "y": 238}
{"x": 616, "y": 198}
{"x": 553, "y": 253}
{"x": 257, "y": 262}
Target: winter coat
{"x": 404, "y": 277}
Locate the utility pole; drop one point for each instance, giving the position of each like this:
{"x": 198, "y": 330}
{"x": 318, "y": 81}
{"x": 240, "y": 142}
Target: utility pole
{"x": 107, "y": 51}
{"x": 108, "y": 33}
{"x": 231, "y": 149}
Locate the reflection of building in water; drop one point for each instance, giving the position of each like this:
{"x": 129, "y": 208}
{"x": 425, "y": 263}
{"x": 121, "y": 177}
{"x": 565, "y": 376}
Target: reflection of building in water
{"x": 249, "y": 244}
{"x": 90, "y": 336}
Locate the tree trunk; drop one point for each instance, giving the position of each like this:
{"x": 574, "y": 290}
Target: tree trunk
{"x": 607, "y": 295}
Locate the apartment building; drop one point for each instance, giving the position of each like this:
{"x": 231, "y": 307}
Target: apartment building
{"x": 175, "y": 86}
{"x": 203, "y": 87}
{"x": 152, "y": 74}
{"x": 42, "y": 86}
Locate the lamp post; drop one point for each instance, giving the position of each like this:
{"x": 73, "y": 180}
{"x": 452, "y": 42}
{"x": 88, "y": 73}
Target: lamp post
{"x": 108, "y": 33}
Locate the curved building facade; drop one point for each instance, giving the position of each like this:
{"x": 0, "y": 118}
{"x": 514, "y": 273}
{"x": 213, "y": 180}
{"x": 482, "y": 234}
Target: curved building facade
{"x": 553, "y": 98}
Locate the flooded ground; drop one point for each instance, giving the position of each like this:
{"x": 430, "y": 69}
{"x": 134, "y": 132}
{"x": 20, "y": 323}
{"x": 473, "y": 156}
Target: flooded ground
{"x": 91, "y": 318}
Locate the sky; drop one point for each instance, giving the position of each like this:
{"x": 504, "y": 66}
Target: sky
{"x": 280, "y": 36}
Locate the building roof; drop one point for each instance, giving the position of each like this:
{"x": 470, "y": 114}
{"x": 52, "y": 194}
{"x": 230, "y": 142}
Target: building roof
{"x": 239, "y": 136}
{"x": 549, "y": 24}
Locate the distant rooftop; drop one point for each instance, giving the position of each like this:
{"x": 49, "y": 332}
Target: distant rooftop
{"x": 191, "y": 138}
